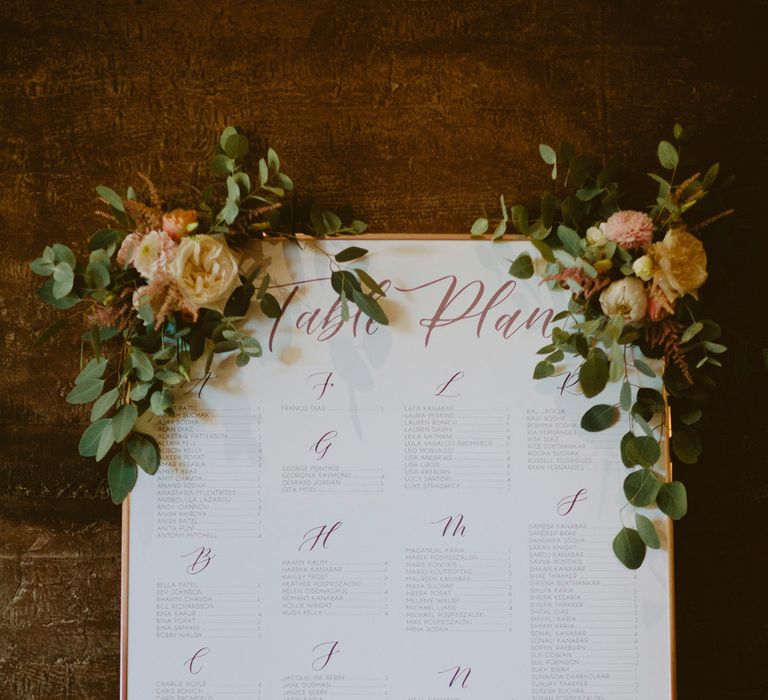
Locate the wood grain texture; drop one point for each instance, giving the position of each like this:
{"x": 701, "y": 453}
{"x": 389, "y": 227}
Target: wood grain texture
{"x": 416, "y": 113}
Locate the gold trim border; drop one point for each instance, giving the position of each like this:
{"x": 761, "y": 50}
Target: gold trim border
{"x": 126, "y": 508}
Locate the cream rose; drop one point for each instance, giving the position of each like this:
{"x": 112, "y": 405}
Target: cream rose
{"x": 643, "y": 267}
{"x": 596, "y": 235}
{"x": 626, "y": 297}
{"x": 205, "y": 271}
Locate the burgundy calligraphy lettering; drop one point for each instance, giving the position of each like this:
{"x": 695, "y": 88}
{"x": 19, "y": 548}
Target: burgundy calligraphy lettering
{"x": 442, "y": 388}
{"x": 566, "y": 505}
{"x": 571, "y": 379}
{"x": 457, "y": 672}
{"x": 467, "y": 302}
{"x": 324, "y": 385}
{"x": 202, "y": 559}
{"x": 322, "y": 446}
{"x": 193, "y": 664}
{"x": 314, "y": 536}
{"x": 322, "y": 326}
{"x": 322, "y": 661}
{"x": 459, "y": 528}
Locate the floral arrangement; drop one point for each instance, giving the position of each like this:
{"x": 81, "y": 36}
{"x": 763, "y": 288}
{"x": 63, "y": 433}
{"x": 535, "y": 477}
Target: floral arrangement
{"x": 163, "y": 286}
{"x": 634, "y": 276}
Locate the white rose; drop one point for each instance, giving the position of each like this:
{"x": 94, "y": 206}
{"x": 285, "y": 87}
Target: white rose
{"x": 205, "y": 271}
{"x": 643, "y": 267}
{"x": 596, "y": 235}
{"x": 626, "y": 297}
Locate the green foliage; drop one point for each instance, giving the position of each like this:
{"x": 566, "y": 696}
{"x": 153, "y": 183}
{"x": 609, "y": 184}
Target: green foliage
{"x": 647, "y": 531}
{"x": 672, "y": 499}
{"x": 144, "y": 451}
{"x": 522, "y": 267}
{"x": 599, "y": 417}
{"x": 629, "y": 548}
{"x": 641, "y": 487}
{"x": 122, "y": 475}
{"x": 593, "y": 375}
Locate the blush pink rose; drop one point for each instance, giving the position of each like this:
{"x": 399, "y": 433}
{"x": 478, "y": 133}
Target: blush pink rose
{"x": 630, "y": 229}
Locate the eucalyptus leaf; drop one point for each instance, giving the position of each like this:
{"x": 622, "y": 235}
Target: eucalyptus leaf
{"x": 222, "y": 165}
{"x": 111, "y": 197}
{"x": 710, "y": 176}
{"x": 625, "y": 396}
{"x": 141, "y": 364}
{"x": 369, "y": 282}
{"x": 599, "y": 417}
{"x": 121, "y": 475}
{"x": 226, "y": 132}
{"x": 123, "y": 421}
{"x": 89, "y": 441}
{"x": 273, "y": 162}
{"x": 543, "y": 369}
{"x": 106, "y": 440}
{"x": 641, "y": 487}
{"x": 40, "y": 266}
{"x": 145, "y": 452}
{"x": 626, "y": 459}
{"x": 629, "y": 548}
{"x": 647, "y": 531}
{"x": 139, "y": 390}
{"x": 270, "y": 306}
{"x": 85, "y": 392}
{"x": 97, "y": 276}
{"x": 643, "y": 450}
{"x": 686, "y": 444}
{"x": 522, "y": 267}
{"x": 573, "y": 243}
{"x": 544, "y": 249}
{"x": 644, "y": 368}
{"x": 104, "y": 403}
{"x": 673, "y": 500}
{"x": 63, "y": 280}
{"x": 344, "y": 305}
{"x": 103, "y": 239}
{"x": 229, "y": 213}
{"x": 236, "y": 146}
{"x": 93, "y": 370}
{"x": 668, "y": 156}
{"x": 691, "y": 331}
{"x": 593, "y": 375}
{"x": 520, "y": 219}
{"x": 160, "y": 402}
{"x": 351, "y": 253}
{"x": 370, "y": 307}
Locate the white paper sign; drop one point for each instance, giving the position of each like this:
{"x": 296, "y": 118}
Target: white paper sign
{"x": 398, "y": 512}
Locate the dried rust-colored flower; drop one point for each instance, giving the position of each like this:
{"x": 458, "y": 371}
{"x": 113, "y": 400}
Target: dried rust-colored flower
{"x": 666, "y": 336}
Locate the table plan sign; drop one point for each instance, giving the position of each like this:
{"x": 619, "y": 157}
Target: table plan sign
{"x": 392, "y": 512}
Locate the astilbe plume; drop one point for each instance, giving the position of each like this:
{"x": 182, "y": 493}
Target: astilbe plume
{"x": 666, "y": 336}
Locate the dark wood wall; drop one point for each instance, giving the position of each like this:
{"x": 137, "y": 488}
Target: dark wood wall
{"x": 417, "y": 113}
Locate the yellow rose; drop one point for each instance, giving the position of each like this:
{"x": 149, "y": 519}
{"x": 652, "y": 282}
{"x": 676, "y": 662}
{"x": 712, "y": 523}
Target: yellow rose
{"x": 205, "y": 271}
{"x": 680, "y": 264}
